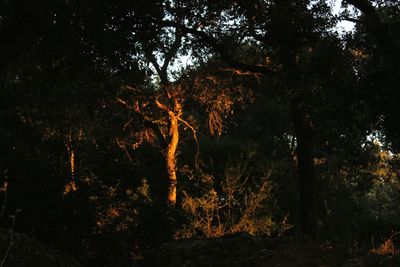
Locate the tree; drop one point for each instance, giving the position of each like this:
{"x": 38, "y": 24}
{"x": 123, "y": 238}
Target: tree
{"x": 377, "y": 41}
{"x": 281, "y": 39}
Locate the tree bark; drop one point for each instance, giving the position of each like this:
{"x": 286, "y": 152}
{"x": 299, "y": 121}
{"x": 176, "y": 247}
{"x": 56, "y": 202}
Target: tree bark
{"x": 172, "y": 145}
{"x": 171, "y": 150}
{"x": 304, "y": 131}
{"x": 301, "y": 121}
{"x": 71, "y": 185}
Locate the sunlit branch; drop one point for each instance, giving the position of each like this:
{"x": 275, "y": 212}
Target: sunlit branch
{"x": 147, "y": 122}
{"x": 161, "y": 105}
{"x": 123, "y": 102}
{"x": 123, "y": 147}
{"x": 194, "y": 137}
{"x": 243, "y": 73}
{"x": 127, "y": 124}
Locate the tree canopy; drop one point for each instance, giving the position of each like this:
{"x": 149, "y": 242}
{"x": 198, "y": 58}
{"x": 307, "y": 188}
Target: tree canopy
{"x": 128, "y": 124}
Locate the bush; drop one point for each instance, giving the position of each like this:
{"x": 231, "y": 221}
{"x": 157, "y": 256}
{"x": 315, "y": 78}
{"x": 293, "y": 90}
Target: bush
{"x": 236, "y": 204}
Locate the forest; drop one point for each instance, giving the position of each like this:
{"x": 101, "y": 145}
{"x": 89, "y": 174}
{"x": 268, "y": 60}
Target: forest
{"x": 199, "y": 133}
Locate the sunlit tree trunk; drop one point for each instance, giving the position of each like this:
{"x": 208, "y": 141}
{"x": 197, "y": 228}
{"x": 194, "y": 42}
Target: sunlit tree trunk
{"x": 171, "y": 154}
{"x": 173, "y": 108}
{"x": 71, "y": 185}
{"x": 72, "y": 164}
{"x": 172, "y": 144}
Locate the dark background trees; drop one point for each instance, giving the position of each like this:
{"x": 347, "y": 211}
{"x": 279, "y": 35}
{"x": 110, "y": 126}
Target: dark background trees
{"x": 276, "y": 124}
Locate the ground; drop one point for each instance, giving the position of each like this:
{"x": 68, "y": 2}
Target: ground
{"x": 238, "y": 249}
{"x": 25, "y": 251}
{"x": 244, "y": 250}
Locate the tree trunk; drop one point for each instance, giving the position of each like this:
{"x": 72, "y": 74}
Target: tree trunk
{"x": 290, "y": 46}
{"x": 304, "y": 131}
{"x": 170, "y": 153}
{"x": 71, "y": 185}
{"x": 72, "y": 164}
{"x": 171, "y": 160}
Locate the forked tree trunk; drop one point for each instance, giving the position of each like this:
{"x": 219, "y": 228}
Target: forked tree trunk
{"x": 173, "y": 113}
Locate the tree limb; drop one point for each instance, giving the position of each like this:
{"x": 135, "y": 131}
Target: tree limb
{"x": 161, "y": 105}
{"x": 169, "y": 55}
{"x": 221, "y": 50}
{"x": 375, "y": 25}
{"x": 147, "y": 122}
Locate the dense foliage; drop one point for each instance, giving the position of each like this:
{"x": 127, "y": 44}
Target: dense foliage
{"x": 128, "y": 124}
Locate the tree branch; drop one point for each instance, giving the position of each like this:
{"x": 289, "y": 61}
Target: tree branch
{"x": 153, "y": 61}
{"x": 161, "y": 105}
{"x": 196, "y": 158}
{"x": 221, "y": 50}
{"x": 147, "y": 122}
{"x": 169, "y": 55}
{"x": 374, "y": 25}
{"x": 346, "y": 18}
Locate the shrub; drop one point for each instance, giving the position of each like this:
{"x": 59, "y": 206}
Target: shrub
{"x": 238, "y": 206}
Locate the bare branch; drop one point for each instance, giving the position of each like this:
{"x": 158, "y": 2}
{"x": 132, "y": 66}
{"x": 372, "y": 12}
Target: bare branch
{"x": 123, "y": 102}
{"x": 161, "y": 105}
{"x": 195, "y": 139}
{"x": 122, "y": 145}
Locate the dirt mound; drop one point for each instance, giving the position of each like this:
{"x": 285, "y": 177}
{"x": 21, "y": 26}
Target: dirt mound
{"x": 26, "y": 251}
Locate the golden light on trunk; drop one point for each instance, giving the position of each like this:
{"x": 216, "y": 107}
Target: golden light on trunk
{"x": 72, "y": 164}
{"x": 71, "y": 186}
{"x": 170, "y": 153}
{"x": 171, "y": 150}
